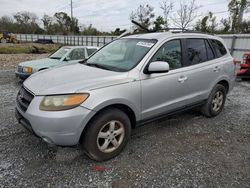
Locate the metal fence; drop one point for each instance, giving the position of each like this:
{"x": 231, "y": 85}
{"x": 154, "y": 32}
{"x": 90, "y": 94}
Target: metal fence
{"x": 75, "y": 40}
{"x": 237, "y": 43}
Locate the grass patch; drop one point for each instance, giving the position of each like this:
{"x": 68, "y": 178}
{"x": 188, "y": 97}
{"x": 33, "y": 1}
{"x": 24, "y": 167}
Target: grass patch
{"x": 27, "y": 48}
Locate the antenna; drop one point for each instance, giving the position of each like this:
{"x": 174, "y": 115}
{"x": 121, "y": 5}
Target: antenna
{"x": 144, "y": 28}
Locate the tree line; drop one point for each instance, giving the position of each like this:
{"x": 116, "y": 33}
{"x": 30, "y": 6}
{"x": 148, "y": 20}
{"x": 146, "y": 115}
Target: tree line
{"x": 187, "y": 13}
{"x": 185, "y": 17}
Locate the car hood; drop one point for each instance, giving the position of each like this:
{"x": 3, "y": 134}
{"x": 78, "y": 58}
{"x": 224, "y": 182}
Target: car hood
{"x": 40, "y": 63}
{"x": 72, "y": 78}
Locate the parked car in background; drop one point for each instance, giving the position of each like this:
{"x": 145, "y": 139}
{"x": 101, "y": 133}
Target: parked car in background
{"x": 244, "y": 72}
{"x": 131, "y": 81}
{"x": 63, "y": 56}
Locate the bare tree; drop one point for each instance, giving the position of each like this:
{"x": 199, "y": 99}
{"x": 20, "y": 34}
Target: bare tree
{"x": 186, "y": 14}
{"x": 143, "y": 15}
{"x": 166, "y": 7}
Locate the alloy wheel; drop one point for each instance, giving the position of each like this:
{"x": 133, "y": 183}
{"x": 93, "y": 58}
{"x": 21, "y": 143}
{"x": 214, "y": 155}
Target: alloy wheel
{"x": 110, "y": 136}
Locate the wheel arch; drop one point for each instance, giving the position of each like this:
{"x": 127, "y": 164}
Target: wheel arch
{"x": 123, "y": 107}
{"x": 225, "y": 83}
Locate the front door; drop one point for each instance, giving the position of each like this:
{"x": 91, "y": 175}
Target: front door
{"x": 164, "y": 92}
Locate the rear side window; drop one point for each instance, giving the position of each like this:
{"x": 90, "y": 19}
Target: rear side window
{"x": 210, "y": 53}
{"x": 219, "y": 48}
{"x": 197, "y": 52}
{"x": 90, "y": 51}
{"x": 77, "y": 54}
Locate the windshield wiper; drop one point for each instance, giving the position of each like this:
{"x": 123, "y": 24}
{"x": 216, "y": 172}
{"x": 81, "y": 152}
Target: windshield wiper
{"x": 54, "y": 57}
{"x": 97, "y": 65}
{"x": 106, "y": 67}
{"x": 83, "y": 61}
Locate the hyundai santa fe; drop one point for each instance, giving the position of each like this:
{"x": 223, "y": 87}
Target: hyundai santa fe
{"x": 130, "y": 81}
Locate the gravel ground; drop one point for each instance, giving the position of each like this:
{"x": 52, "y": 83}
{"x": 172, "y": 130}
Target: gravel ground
{"x": 187, "y": 150}
{"x": 10, "y": 61}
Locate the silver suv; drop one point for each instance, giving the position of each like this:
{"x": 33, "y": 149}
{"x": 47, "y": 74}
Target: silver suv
{"x": 130, "y": 81}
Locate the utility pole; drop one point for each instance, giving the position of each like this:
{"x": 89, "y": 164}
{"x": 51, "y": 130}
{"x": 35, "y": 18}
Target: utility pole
{"x": 71, "y": 6}
{"x": 71, "y": 11}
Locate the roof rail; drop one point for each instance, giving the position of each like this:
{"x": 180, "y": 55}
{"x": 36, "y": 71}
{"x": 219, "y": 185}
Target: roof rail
{"x": 170, "y": 29}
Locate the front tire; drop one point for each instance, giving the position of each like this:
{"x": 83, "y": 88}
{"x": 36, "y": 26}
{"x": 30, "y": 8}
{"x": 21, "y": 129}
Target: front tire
{"x": 107, "y": 134}
{"x": 215, "y": 102}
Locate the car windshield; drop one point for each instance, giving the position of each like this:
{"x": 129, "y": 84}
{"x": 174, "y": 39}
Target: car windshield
{"x": 121, "y": 55}
{"x": 59, "y": 53}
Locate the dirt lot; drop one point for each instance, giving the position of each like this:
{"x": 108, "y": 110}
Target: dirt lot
{"x": 188, "y": 150}
{"x": 10, "y": 61}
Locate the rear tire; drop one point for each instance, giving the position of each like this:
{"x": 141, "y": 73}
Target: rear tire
{"x": 107, "y": 134}
{"x": 215, "y": 102}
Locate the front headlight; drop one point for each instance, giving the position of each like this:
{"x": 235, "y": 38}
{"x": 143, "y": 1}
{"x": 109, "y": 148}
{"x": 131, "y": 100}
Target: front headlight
{"x": 27, "y": 69}
{"x": 62, "y": 102}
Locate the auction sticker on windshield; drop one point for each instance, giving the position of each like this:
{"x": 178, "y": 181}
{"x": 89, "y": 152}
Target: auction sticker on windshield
{"x": 145, "y": 44}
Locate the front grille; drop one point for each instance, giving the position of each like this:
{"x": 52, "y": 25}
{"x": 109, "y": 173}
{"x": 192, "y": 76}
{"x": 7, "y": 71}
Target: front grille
{"x": 24, "y": 99}
{"x": 19, "y": 68}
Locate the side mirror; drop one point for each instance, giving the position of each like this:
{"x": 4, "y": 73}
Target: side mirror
{"x": 157, "y": 67}
{"x": 67, "y": 58}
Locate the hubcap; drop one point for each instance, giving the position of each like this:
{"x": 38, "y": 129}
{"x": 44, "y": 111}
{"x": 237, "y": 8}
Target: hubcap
{"x": 217, "y": 101}
{"x": 110, "y": 136}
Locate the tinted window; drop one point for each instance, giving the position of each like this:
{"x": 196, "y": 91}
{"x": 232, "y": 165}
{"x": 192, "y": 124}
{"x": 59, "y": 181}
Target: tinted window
{"x": 77, "y": 54}
{"x": 91, "y": 51}
{"x": 219, "y": 48}
{"x": 197, "y": 52}
{"x": 170, "y": 52}
{"x": 210, "y": 53}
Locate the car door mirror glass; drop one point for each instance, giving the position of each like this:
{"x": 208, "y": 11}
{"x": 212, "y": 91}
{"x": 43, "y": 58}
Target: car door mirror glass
{"x": 158, "y": 67}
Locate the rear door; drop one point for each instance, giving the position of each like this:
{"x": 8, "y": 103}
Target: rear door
{"x": 203, "y": 68}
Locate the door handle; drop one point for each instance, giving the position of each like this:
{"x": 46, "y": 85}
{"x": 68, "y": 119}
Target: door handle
{"x": 182, "y": 79}
{"x": 216, "y": 69}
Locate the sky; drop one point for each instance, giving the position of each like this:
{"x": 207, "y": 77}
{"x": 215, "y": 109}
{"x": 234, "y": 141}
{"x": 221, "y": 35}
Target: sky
{"x": 105, "y": 15}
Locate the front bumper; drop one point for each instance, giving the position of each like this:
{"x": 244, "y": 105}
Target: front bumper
{"x": 22, "y": 75}
{"x": 60, "y": 128}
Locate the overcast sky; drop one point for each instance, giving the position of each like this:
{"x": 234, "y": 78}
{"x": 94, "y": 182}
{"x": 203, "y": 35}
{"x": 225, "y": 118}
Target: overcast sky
{"x": 105, "y": 15}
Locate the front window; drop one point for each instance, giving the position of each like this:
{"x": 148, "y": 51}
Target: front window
{"x": 121, "y": 55}
{"x": 170, "y": 52}
{"x": 59, "y": 53}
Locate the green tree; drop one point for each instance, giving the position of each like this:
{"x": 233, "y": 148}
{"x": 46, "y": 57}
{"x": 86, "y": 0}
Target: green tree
{"x": 237, "y": 9}
{"x": 47, "y": 23}
{"x": 207, "y": 24}
{"x": 158, "y": 23}
{"x": 226, "y": 25}
{"x": 90, "y": 30}
{"x": 26, "y": 22}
